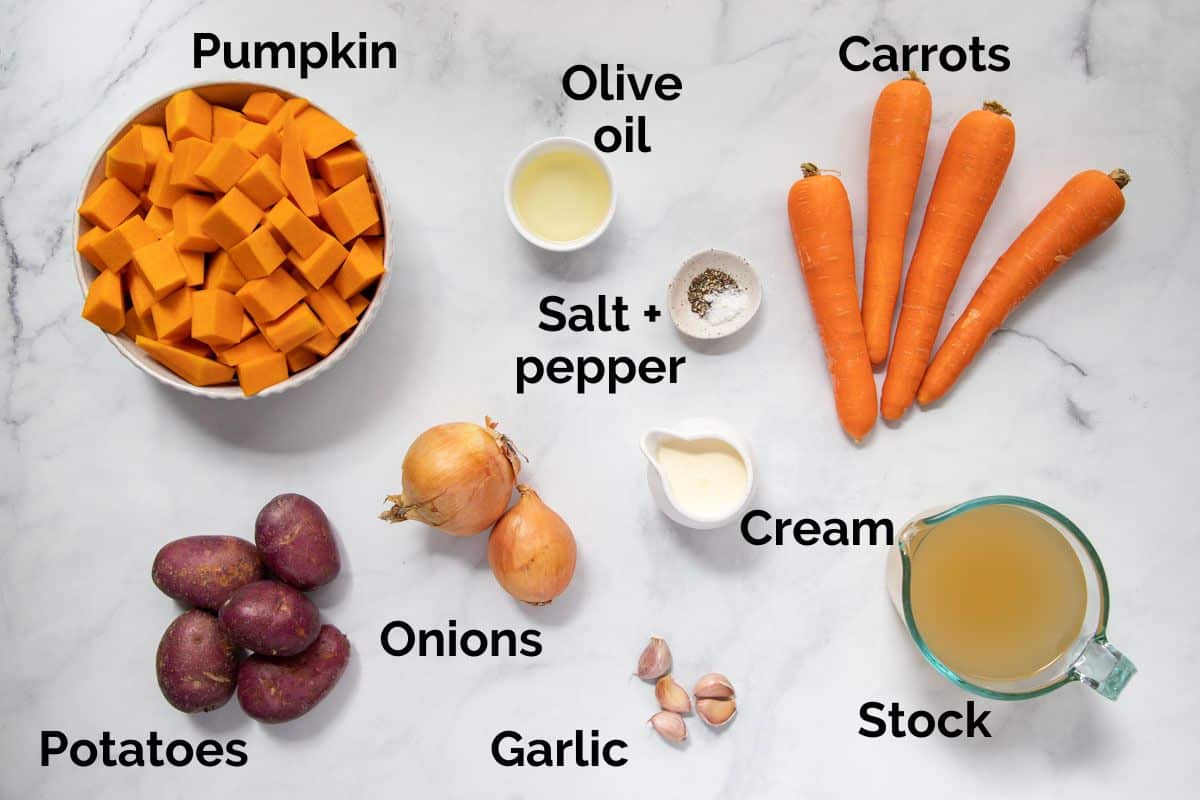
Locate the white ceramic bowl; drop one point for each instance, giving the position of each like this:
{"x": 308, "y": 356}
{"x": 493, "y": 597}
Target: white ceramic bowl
{"x": 547, "y": 145}
{"x": 738, "y": 268}
{"x": 232, "y": 95}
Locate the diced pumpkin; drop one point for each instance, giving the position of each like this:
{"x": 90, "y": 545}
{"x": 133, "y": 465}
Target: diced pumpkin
{"x": 260, "y": 140}
{"x": 154, "y": 144}
{"x": 126, "y": 160}
{"x": 341, "y": 165}
{"x": 231, "y": 219}
{"x": 254, "y": 347}
{"x": 223, "y": 273}
{"x": 259, "y": 373}
{"x": 104, "y": 306}
{"x": 321, "y": 265}
{"x": 320, "y": 133}
{"x": 224, "y": 165}
{"x": 136, "y": 325}
{"x": 160, "y": 220}
{"x": 287, "y": 112}
{"x": 188, "y": 156}
{"x": 140, "y": 293}
{"x": 216, "y": 318}
{"x": 248, "y": 327}
{"x": 109, "y": 204}
{"x": 226, "y": 123}
{"x": 86, "y": 246}
{"x": 194, "y": 369}
{"x": 173, "y": 315}
{"x": 358, "y": 304}
{"x": 258, "y": 255}
{"x": 293, "y": 169}
{"x": 301, "y": 234}
{"x": 350, "y": 210}
{"x": 266, "y": 299}
{"x": 188, "y": 215}
{"x": 361, "y": 269}
{"x": 162, "y": 192}
{"x": 300, "y": 359}
{"x": 261, "y": 106}
{"x": 188, "y": 115}
{"x": 292, "y": 329}
{"x": 333, "y": 310}
{"x": 159, "y": 264}
{"x": 263, "y": 183}
{"x": 323, "y": 343}
{"x": 115, "y": 249}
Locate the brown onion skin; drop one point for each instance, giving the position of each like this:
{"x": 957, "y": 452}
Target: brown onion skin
{"x": 532, "y": 550}
{"x": 432, "y": 482}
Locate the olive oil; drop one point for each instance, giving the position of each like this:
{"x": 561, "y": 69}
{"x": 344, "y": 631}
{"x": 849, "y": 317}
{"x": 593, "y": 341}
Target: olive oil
{"x": 997, "y": 592}
{"x": 562, "y": 195}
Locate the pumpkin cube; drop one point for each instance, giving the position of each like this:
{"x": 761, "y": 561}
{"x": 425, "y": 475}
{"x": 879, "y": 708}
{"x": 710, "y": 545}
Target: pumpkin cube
{"x": 188, "y": 214}
{"x": 231, "y": 219}
{"x": 341, "y": 165}
{"x": 350, "y": 210}
{"x": 173, "y": 315}
{"x": 333, "y": 310}
{"x": 223, "y": 273}
{"x": 194, "y": 369}
{"x": 137, "y": 325}
{"x": 258, "y": 255}
{"x": 287, "y": 112}
{"x": 266, "y": 299}
{"x": 188, "y": 155}
{"x": 320, "y": 133}
{"x": 226, "y": 162}
{"x": 261, "y": 106}
{"x": 140, "y": 293}
{"x": 115, "y": 249}
{"x": 301, "y": 233}
{"x": 109, "y": 204}
{"x": 292, "y": 329}
{"x": 188, "y": 115}
{"x": 248, "y": 327}
{"x": 160, "y": 220}
{"x": 322, "y": 344}
{"x": 358, "y": 304}
{"x": 300, "y": 358}
{"x": 262, "y": 183}
{"x": 126, "y": 160}
{"x": 260, "y": 140}
{"x": 159, "y": 264}
{"x": 193, "y": 262}
{"x": 86, "y": 246}
{"x": 324, "y": 261}
{"x": 226, "y": 123}
{"x": 216, "y": 317}
{"x": 361, "y": 269}
{"x": 104, "y": 306}
{"x": 254, "y": 347}
{"x": 154, "y": 144}
{"x": 161, "y": 191}
{"x": 293, "y": 169}
{"x": 259, "y": 373}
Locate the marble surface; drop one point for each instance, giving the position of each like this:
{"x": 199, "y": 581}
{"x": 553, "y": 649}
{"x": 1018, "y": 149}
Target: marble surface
{"x": 1086, "y": 402}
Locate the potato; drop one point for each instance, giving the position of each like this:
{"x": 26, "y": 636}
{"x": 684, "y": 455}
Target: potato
{"x": 196, "y": 663}
{"x": 274, "y": 689}
{"x": 296, "y": 542}
{"x": 204, "y": 570}
{"x": 271, "y": 618}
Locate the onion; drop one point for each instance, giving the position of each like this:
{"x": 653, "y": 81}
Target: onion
{"x": 532, "y": 551}
{"x": 457, "y": 478}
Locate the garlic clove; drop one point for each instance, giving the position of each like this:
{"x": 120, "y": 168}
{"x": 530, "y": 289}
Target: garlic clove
{"x": 671, "y": 696}
{"x": 669, "y": 726}
{"x": 716, "y": 712}
{"x": 714, "y": 685}
{"x": 655, "y": 660}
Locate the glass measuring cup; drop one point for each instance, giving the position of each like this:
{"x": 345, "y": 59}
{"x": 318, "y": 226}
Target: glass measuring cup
{"x": 1090, "y": 659}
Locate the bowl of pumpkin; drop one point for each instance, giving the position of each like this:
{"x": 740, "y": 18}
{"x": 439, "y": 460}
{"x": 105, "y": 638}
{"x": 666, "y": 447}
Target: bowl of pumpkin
{"x": 232, "y": 240}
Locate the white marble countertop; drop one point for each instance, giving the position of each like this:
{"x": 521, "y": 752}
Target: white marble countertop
{"x": 1087, "y": 405}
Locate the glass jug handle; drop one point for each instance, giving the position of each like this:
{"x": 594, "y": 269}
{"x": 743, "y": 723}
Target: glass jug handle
{"x": 1104, "y": 668}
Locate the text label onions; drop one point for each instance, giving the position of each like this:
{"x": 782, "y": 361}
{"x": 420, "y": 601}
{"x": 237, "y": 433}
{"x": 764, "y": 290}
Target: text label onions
{"x": 532, "y": 550}
{"x": 457, "y": 477}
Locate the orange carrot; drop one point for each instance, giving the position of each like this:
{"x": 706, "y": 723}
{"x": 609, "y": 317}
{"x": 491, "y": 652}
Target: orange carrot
{"x": 819, "y": 212}
{"x": 968, "y": 178}
{"x": 1082, "y": 210}
{"x": 899, "y": 128}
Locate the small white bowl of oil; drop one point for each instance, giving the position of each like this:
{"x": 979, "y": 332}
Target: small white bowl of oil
{"x": 700, "y": 472}
{"x": 560, "y": 194}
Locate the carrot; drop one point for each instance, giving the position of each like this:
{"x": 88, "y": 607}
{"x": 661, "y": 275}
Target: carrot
{"x": 819, "y": 213}
{"x": 1082, "y": 210}
{"x": 968, "y": 178}
{"x": 899, "y": 128}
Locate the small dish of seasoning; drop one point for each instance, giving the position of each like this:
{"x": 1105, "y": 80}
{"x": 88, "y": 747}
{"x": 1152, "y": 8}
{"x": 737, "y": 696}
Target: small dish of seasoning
{"x": 714, "y": 294}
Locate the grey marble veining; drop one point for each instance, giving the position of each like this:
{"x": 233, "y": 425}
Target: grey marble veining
{"x": 1086, "y": 401}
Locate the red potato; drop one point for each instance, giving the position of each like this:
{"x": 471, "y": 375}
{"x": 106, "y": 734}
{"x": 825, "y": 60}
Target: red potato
{"x": 282, "y": 689}
{"x": 204, "y": 570}
{"x": 296, "y": 541}
{"x": 196, "y": 663}
{"x": 271, "y": 618}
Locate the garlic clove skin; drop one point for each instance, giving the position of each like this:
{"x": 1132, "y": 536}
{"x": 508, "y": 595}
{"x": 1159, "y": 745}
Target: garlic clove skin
{"x": 716, "y": 713}
{"x": 714, "y": 686}
{"x": 669, "y": 726}
{"x": 671, "y": 696}
{"x": 655, "y": 660}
